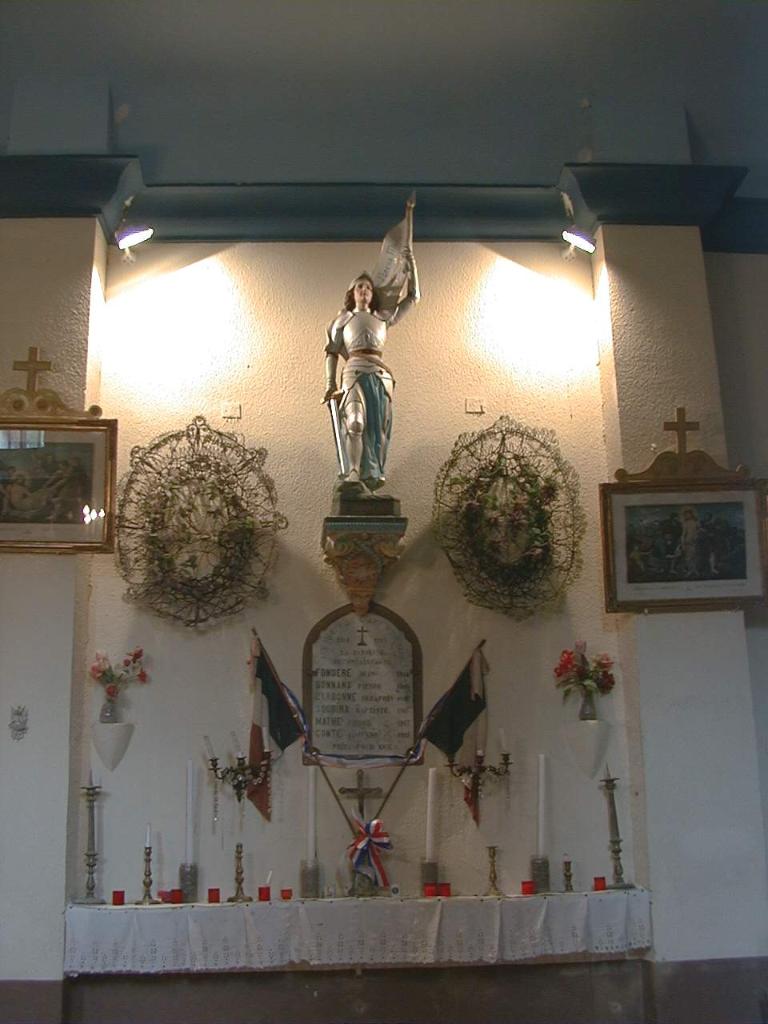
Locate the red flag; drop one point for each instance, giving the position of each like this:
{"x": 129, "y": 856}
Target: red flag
{"x": 472, "y": 795}
{"x": 259, "y": 794}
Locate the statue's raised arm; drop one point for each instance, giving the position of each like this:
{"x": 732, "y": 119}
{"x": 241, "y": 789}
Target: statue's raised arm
{"x": 361, "y": 402}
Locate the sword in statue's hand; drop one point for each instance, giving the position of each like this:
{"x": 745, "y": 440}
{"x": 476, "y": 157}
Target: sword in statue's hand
{"x": 341, "y": 451}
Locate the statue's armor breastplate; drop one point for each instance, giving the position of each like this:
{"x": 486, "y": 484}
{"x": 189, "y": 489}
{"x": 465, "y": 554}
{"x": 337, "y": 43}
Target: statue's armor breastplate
{"x": 364, "y": 331}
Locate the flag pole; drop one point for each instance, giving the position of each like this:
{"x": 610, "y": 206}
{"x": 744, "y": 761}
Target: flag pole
{"x": 395, "y": 781}
{"x": 336, "y": 796}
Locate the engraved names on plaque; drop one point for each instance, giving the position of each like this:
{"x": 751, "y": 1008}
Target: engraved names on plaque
{"x": 362, "y": 684}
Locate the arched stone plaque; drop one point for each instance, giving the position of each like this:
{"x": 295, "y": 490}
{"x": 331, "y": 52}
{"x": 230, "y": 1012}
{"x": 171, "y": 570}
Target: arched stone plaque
{"x": 362, "y": 687}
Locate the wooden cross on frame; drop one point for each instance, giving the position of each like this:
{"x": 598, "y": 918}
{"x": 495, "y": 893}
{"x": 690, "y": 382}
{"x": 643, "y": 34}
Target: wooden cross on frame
{"x": 682, "y": 428}
{"x": 33, "y": 366}
{"x": 360, "y": 792}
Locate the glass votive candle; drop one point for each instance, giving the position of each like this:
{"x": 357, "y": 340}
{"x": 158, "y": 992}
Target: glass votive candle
{"x": 118, "y": 897}
{"x": 177, "y": 896}
{"x": 430, "y": 888}
{"x": 443, "y": 888}
{"x": 527, "y": 887}
{"x": 164, "y": 895}
{"x": 598, "y": 883}
{"x": 286, "y": 894}
{"x": 264, "y": 896}
{"x": 214, "y": 895}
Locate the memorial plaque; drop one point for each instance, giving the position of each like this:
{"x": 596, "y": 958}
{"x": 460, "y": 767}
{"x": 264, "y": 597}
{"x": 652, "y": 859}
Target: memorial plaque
{"x": 362, "y": 686}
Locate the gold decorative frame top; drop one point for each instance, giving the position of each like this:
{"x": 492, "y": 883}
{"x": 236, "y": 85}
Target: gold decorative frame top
{"x": 32, "y": 401}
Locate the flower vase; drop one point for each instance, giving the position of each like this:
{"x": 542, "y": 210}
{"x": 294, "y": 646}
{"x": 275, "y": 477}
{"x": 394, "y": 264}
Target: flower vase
{"x": 109, "y": 710}
{"x": 587, "y": 711}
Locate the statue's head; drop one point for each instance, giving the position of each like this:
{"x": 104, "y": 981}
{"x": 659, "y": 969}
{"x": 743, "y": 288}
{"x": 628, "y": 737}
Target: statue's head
{"x": 350, "y": 297}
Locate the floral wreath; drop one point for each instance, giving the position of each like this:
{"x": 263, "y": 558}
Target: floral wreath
{"x": 196, "y": 524}
{"x": 506, "y": 513}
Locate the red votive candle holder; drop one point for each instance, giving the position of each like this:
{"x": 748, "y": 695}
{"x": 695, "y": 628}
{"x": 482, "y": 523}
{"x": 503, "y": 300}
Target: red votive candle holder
{"x": 164, "y": 895}
{"x": 214, "y": 895}
{"x": 177, "y": 896}
{"x": 286, "y": 894}
{"x": 264, "y": 896}
{"x": 118, "y": 897}
{"x": 527, "y": 887}
{"x": 598, "y": 883}
{"x": 443, "y": 888}
{"x": 430, "y": 888}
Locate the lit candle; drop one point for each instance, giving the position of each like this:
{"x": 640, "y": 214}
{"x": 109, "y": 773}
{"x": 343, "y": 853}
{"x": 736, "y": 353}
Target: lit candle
{"x": 542, "y": 805}
{"x": 188, "y": 855}
{"x": 312, "y": 815}
{"x": 482, "y": 733}
{"x": 429, "y": 853}
{"x": 503, "y": 742}
{"x": 148, "y": 840}
{"x": 478, "y": 687}
{"x": 265, "y": 723}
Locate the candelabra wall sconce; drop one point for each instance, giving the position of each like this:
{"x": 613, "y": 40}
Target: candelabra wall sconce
{"x": 475, "y": 774}
{"x": 241, "y": 774}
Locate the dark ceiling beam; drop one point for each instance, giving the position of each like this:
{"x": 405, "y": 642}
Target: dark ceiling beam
{"x": 71, "y": 186}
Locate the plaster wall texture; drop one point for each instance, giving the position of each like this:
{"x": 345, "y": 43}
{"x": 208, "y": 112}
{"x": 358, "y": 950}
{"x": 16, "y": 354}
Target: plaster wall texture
{"x": 737, "y": 286}
{"x": 44, "y": 301}
{"x": 701, "y": 813}
{"x": 190, "y": 326}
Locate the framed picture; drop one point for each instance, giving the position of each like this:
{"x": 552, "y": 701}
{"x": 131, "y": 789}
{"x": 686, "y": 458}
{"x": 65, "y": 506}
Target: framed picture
{"x": 57, "y": 484}
{"x": 683, "y": 545}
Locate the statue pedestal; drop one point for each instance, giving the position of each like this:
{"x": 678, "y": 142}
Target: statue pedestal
{"x": 362, "y": 538}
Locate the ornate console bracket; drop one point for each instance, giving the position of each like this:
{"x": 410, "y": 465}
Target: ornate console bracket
{"x": 361, "y": 546}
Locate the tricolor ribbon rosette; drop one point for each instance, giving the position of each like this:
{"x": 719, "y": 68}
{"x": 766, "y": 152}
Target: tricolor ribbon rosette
{"x": 365, "y": 851}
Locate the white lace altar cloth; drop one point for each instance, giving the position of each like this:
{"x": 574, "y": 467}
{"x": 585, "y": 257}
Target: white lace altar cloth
{"x": 374, "y": 932}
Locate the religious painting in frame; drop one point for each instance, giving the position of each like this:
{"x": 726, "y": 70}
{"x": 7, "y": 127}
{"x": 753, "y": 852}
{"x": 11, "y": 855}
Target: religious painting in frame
{"x": 362, "y": 691}
{"x": 57, "y": 484}
{"x": 683, "y": 545}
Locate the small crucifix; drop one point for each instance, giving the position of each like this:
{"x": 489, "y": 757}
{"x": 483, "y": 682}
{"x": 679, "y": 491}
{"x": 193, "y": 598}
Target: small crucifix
{"x": 361, "y": 642}
{"x": 32, "y": 366}
{"x": 680, "y": 427}
{"x": 360, "y": 792}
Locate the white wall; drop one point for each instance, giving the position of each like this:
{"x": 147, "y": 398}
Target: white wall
{"x": 737, "y": 286}
{"x": 693, "y": 750}
{"x": 45, "y": 289}
{"x": 188, "y": 327}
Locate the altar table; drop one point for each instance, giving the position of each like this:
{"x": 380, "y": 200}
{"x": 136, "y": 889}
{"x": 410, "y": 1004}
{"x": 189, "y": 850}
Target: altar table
{"x": 376, "y": 932}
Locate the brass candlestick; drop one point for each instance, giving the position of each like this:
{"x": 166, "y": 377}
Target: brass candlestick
{"x": 91, "y": 856}
{"x": 239, "y": 896}
{"x": 493, "y": 888}
{"x": 609, "y": 785}
{"x": 147, "y": 899}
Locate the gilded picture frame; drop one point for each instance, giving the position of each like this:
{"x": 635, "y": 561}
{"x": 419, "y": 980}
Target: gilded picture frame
{"x": 683, "y": 545}
{"x": 57, "y": 484}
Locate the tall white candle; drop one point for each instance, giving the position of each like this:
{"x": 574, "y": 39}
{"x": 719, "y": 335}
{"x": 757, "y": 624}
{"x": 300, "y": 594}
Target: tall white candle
{"x": 148, "y": 840}
{"x": 188, "y": 854}
{"x": 429, "y": 853}
{"x": 503, "y": 742}
{"x": 90, "y": 776}
{"x": 540, "y": 844}
{"x": 312, "y": 815}
{"x": 481, "y": 736}
{"x": 265, "y": 723}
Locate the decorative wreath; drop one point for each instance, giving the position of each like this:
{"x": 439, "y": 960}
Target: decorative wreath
{"x": 506, "y": 513}
{"x": 196, "y": 524}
